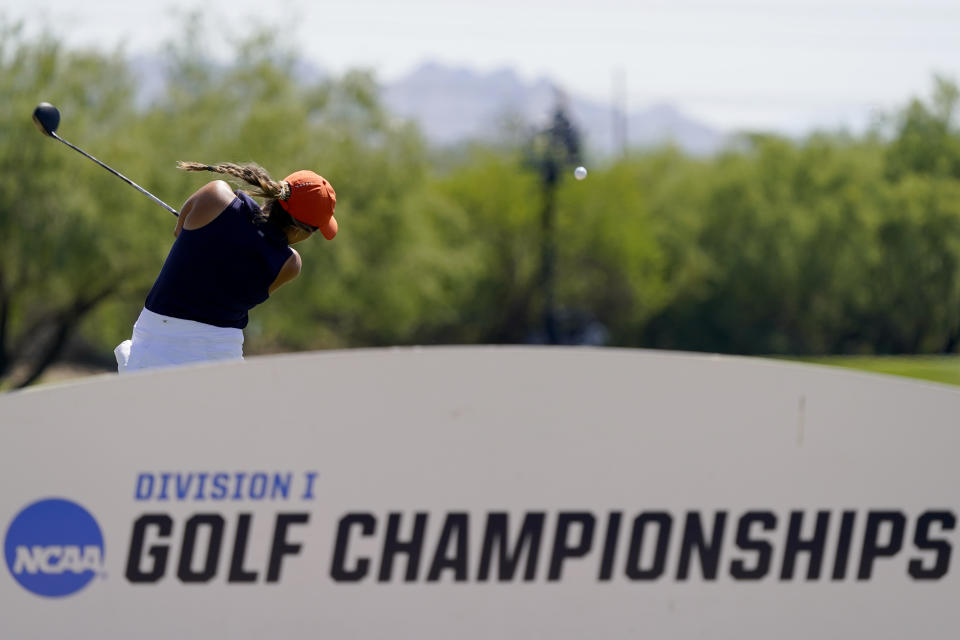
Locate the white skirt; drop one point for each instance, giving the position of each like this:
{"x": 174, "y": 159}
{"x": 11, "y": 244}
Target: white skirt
{"x": 162, "y": 341}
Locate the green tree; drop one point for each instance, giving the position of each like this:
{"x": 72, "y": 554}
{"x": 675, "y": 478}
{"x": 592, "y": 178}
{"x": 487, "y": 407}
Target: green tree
{"x": 926, "y": 136}
{"x": 485, "y": 213}
{"x": 61, "y": 226}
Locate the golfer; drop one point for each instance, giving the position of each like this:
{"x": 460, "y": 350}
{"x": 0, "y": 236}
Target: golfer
{"x": 229, "y": 255}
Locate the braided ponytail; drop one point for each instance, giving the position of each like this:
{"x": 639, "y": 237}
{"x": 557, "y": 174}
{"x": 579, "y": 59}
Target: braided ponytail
{"x": 254, "y": 175}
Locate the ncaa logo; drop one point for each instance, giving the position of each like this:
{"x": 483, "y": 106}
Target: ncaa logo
{"x": 54, "y": 547}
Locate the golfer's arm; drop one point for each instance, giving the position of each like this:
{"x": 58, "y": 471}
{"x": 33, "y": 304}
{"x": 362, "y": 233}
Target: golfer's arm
{"x": 289, "y": 271}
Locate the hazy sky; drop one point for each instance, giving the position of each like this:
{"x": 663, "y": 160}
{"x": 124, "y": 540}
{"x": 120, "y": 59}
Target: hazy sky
{"x": 782, "y": 64}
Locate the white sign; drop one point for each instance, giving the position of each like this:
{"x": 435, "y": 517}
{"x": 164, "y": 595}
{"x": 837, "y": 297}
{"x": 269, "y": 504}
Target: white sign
{"x": 482, "y": 493}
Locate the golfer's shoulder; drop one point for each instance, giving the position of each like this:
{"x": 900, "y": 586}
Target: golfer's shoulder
{"x": 207, "y": 203}
{"x": 216, "y": 194}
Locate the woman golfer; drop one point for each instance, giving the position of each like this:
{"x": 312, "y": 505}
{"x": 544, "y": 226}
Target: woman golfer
{"x": 229, "y": 255}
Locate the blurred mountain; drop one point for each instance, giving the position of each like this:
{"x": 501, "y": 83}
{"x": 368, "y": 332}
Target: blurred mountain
{"x": 452, "y": 105}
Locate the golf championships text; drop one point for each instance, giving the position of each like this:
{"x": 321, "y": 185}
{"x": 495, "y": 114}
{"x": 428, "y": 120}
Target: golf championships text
{"x": 500, "y": 547}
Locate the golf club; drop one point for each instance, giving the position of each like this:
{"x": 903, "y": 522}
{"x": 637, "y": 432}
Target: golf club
{"x": 47, "y": 118}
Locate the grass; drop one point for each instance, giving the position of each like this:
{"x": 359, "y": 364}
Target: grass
{"x": 944, "y": 369}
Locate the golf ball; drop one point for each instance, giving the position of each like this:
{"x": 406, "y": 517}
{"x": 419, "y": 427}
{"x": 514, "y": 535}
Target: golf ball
{"x": 580, "y": 173}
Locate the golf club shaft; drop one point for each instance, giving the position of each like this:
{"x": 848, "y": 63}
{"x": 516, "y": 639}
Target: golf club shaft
{"x": 119, "y": 175}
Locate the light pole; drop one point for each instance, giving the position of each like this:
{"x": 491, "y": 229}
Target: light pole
{"x": 555, "y": 148}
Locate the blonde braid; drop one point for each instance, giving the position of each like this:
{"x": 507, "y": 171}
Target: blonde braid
{"x": 254, "y": 175}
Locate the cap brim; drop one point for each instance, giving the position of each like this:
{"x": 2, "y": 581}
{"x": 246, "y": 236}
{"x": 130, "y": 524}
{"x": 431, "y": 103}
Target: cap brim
{"x": 329, "y": 230}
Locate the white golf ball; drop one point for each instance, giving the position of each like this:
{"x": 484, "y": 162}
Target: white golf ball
{"x": 580, "y": 173}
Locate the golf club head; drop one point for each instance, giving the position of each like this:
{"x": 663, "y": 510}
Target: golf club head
{"x": 47, "y": 118}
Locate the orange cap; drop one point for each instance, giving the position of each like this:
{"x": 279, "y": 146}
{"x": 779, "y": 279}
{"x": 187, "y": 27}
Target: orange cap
{"x": 312, "y": 201}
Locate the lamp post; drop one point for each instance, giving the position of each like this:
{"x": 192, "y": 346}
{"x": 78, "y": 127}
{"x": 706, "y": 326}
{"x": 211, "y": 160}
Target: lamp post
{"x": 555, "y": 148}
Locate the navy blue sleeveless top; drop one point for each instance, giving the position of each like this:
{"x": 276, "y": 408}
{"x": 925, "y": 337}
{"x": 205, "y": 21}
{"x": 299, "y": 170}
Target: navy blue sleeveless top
{"x": 217, "y": 273}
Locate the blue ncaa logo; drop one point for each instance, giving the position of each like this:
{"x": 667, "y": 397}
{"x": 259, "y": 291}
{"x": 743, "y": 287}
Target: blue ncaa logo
{"x": 54, "y": 547}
